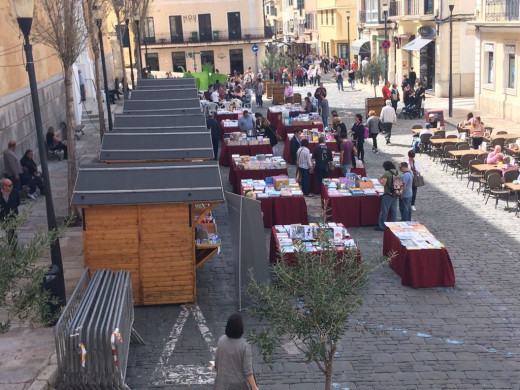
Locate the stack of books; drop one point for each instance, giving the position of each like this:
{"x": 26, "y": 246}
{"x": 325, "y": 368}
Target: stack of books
{"x": 348, "y": 186}
{"x": 414, "y": 235}
{"x": 258, "y": 162}
{"x": 272, "y": 188}
{"x": 292, "y": 238}
{"x": 239, "y": 138}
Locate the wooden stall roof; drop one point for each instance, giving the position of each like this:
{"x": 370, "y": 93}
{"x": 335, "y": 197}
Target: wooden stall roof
{"x": 132, "y": 184}
{"x": 148, "y": 130}
{"x": 170, "y": 82}
{"x": 153, "y": 120}
{"x": 163, "y": 111}
{"x": 145, "y": 94}
{"x": 120, "y": 146}
{"x": 184, "y": 102}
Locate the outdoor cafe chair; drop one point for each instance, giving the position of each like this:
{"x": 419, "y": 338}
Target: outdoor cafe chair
{"x": 496, "y": 188}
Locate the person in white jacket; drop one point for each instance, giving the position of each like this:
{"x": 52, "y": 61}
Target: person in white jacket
{"x": 388, "y": 118}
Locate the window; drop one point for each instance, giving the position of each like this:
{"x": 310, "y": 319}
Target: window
{"x": 489, "y": 54}
{"x": 149, "y": 31}
{"x": 509, "y": 51}
{"x": 413, "y": 7}
{"x": 178, "y": 60}
{"x": 273, "y": 10}
{"x": 332, "y": 17}
{"x": 308, "y": 22}
{"x": 207, "y": 57}
{"x": 428, "y": 7}
{"x": 234, "y": 25}
{"x": 372, "y": 11}
{"x": 176, "y": 29}
{"x": 290, "y": 3}
{"x": 267, "y": 10}
{"x": 205, "y": 34}
{"x": 152, "y": 59}
{"x": 321, "y": 14}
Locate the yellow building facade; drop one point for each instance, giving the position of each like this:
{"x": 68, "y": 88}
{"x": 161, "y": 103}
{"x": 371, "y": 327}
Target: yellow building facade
{"x": 498, "y": 35}
{"x": 334, "y": 27}
{"x": 180, "y": 34}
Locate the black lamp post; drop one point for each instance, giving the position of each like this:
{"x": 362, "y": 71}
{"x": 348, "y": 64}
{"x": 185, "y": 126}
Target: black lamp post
{"x": 97, "y": 15}
{"x": 137, "y": 19}
{"x": 130, "y": 54}
{"x": 24, "y": 14}
{"x": 385, "y": 14}
{"x": 395, "y": 52}
{"x": 348, "y": 36}
{"x": 450, "y": 98}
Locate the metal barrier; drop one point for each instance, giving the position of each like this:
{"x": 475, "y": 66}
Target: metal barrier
{"x": 94, "y": 332}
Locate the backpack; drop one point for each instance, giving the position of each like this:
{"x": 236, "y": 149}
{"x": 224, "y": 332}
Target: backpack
{"x": 396, "y": 189}
{"x": 322, "y": 156}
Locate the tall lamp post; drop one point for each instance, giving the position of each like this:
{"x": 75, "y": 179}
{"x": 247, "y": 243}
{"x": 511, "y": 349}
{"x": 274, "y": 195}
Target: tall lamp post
{"x": 137, "y": 18}
{"x": 450, "y": 98}
{"x": 24, "y": 10}
{"x": 385, "y": 15}
{"x": 130, "y": 54}
{"x": 348, "y": 36}
{"x": 97, "y": 15}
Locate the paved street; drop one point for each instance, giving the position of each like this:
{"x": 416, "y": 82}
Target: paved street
{"x": 466, "y": 337}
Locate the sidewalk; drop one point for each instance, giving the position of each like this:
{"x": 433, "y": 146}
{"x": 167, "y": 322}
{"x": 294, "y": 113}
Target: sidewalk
{"x": 27, "y": 355}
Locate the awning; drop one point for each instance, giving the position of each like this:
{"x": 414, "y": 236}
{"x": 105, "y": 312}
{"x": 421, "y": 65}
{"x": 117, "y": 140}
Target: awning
{"x": 417, "y": 44}
{"x": 360, "y": 45}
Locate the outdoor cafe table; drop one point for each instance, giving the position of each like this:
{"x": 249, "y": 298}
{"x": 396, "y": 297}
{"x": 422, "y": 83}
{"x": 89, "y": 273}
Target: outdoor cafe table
{"x": 460, "y": 153}
{"x": 243, "y": 150}
{"x": 282, "y": 130}
{"x": 418, "y": 267}
{"x": 276, "y": 117}
{"x": 507, "y": 135}
{"x": 484, "y": 167}
{"x": 236, "y": 175}
{"x": 417, "y": 131}
{"x": 352, "y": 211}
{"x": 516, "y": 189}
{"x": 283, "y": 210}
{"x": 290, "y": 258}
{"x": 315, "y": 187}
{"x": 333, "y": 146}
{"x": 440, "y": 141}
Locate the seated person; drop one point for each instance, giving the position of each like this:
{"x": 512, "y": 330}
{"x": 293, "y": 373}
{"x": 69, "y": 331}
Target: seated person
{"x": 54, "y": 143}
{"x": 508, "y": 164}
{"x": 495, "y": 156}
{"x": 417, "y": 140}
{"x": 31, "y": 176}
{"x": 432, "y": 121}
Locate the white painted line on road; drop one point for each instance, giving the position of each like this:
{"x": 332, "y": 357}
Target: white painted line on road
{"x": 185, "y": 374}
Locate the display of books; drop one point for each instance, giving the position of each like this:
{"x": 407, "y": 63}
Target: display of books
{"x": 238, "y": 138}
{"x": 277, "y": 186}
{"x": 295, "y": 237}
{"x": 348, "y": 186}
{"x": 414, "y": 235}
{"x": 258, "y": 162}
{"x": 229, "y": 122}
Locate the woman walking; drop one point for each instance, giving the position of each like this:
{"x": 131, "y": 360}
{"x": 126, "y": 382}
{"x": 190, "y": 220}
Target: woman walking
{"x": 233, "y": 359}
{"x": 413, "y": 165}
{"x": 358, "y": 132}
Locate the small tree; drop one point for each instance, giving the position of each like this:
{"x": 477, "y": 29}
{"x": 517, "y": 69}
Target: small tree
{"x": 20, "y": 274}
{"x": 310, "y": 302}
{"x": 374, "y": 71}
{"x": 272, "y": 61}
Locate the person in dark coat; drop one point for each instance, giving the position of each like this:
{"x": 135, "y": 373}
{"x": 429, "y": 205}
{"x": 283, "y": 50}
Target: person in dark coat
{"x": 295, "y": 143}
{"x": 9, "y": 202}
{"x": 214, "y": 127}
{"x": 31, "y": 176}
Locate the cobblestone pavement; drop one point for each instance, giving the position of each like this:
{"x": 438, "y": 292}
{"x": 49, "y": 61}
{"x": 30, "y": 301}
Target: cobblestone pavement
{"x": 466, "y": 337}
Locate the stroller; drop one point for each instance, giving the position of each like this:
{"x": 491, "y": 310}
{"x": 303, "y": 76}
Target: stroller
{"x": 412, "y": 109}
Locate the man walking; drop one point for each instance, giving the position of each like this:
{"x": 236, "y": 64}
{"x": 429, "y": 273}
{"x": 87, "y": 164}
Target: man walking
{"x": 405, "y": 203}
{"x": 388, "y": 201}
{"x": 321, "y": 155}
{"x": 12, "y": 167}
{"x": 389, "y": 118}
{"x": 214, "y": 127}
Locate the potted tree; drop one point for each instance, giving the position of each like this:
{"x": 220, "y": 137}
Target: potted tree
{"x": 374, "y": 72}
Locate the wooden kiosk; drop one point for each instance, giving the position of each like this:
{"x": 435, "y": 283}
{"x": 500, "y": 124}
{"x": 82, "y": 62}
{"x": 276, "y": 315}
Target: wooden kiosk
{"x": 143, "y": 218}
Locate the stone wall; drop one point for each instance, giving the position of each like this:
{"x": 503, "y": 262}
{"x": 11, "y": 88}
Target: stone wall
{"x": 17, "y": 119}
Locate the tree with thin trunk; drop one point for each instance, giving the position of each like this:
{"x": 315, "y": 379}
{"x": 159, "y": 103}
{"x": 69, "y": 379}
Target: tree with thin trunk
{"x": 59, "y": 24}
{"x": 121, "y": 9}
{"x": 140, "y": 7}
{"x": 90, "y": 23}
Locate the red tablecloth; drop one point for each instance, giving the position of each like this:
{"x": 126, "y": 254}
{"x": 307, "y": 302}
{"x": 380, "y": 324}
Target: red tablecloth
{"x": 287, "y": 149}
{"x": 352, "y": 211}
{"x": 315, "y": 187}
{"x": 247, "y": 150}
{"x": 276, "y": 117}
{"x": 290, "y": 258}
{"x": 282, "y": 130}
{"x": 236, "y": 175}
{"x": 419, "y": 267}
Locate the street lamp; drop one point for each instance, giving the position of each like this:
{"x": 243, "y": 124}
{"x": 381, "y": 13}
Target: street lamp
{"x": 348, "y": 36}
{"x": 130, "y": 55}
{"x": 385, "y": 14}
{"x": 97, "y": 16}
{"x": 24, "y": 10}
{"x": 137, "y": 19}
{"x": 450, "y": 98}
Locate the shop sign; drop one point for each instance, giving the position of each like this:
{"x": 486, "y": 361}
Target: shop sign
{"x": 426, "y": 32}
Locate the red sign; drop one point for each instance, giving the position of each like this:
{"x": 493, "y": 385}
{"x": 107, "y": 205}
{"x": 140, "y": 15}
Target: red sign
{"x": 385, "y": 44}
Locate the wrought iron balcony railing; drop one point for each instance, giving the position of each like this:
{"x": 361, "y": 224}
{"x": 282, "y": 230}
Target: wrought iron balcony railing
{"x": 502, "y": 10}
{"x": 209, "y": 36}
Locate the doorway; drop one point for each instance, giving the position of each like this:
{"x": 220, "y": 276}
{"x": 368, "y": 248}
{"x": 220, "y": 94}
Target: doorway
{"x": 427, "y": 68}
{"x": 205, "y": 27}
{"x": 236, "y": 61}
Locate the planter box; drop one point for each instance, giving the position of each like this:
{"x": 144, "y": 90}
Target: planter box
{"x": 375, "y": 104}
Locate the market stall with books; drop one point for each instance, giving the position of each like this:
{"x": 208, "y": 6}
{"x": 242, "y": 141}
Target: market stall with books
{"x": 313, "y": 137}
{"x": 238, "y": 144}
{"x": 153, "y": 220}
{"x": 255, "y": 167}
{"x": 352, "y": 202}
{"x": 289, "y": 239}
{"x": 419, "y": 258}
{"x": 281, "y": 199}
{"x": 277, "y": 114}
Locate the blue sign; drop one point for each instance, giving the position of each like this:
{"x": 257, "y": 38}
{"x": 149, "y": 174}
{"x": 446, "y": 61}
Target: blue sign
{"x": 255, "y": 48}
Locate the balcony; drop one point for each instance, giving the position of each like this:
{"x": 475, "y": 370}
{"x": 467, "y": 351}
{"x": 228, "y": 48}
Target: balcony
{"x": 191, "y": 37}
{"x": 502, "y": 10}
{"x": 368, "y": 17}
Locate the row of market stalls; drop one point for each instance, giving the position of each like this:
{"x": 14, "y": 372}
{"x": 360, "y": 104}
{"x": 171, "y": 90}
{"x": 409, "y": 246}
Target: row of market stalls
{"x": 147, "y": 204}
